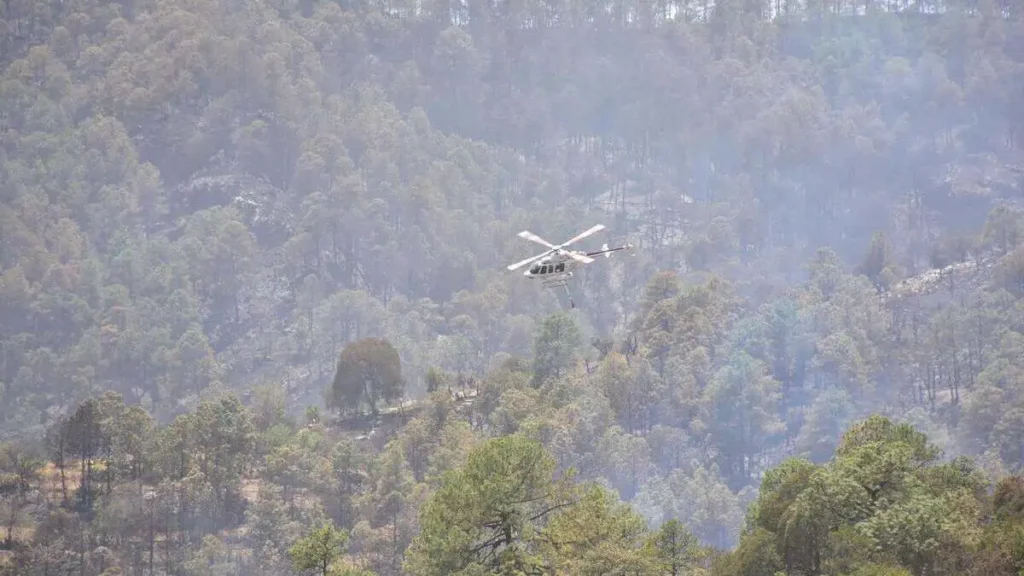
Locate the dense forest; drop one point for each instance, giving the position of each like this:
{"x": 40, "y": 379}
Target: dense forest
{"x": 255, "y": 317}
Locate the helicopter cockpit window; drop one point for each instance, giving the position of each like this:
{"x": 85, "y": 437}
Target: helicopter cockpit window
{"x": 535, "y": 269}
{"x": 543, "y": 269}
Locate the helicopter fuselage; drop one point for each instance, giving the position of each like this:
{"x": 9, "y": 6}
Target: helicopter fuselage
{"x": 551, "y": 267}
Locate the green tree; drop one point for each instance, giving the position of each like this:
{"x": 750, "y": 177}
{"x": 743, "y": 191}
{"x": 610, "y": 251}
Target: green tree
{"x": 318, "y": 549}
{"x": 598, "y": 534}
{"x": 555, "y": 346}
{"x": 489, "y": 513}
{"x": 882, "y": 503}
{"x": 1002, "y": 229}
{"x": 877, "y": 260}
{"x": 369, "y": 371}
{"x": 676, "y": 548}
{"x": 743, "y": 415}
{"x": 19, "y": 474}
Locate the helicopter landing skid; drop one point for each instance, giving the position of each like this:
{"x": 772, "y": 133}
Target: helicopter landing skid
{"x": 563, "y": 283}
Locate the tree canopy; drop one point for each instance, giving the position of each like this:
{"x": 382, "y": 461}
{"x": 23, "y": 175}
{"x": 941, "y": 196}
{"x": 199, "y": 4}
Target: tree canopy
{"x": 369, "y": 372}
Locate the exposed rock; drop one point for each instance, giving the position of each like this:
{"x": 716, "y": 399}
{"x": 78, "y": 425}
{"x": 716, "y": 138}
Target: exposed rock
{"x": 939, "y": 285}
{"x": 262, "y": 205}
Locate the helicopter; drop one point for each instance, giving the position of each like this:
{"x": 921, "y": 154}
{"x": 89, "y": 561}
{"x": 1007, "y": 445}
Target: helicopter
{"x": 555, "y": 266}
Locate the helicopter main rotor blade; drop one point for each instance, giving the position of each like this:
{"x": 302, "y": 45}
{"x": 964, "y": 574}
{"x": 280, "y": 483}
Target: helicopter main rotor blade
{"x": 580, "y": 257}
{"x": 534, "y": 238}
{"x": 582, "y": 235}
{"x": 528, "y": 260}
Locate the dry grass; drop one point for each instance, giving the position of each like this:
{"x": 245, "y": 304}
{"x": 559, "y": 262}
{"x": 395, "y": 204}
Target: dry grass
{"x": 23, "y": 534}
{"x": 250, "y": 489}
{"x": 50, "y": 491}
{"x": 49, "y": 479}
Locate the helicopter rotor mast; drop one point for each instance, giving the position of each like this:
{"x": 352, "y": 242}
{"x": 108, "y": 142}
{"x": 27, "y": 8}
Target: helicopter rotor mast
{"x": 560, "y": 249}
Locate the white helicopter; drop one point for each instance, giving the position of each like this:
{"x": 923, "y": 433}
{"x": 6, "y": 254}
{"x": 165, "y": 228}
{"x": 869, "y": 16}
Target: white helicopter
{"x": 555, "y": 267}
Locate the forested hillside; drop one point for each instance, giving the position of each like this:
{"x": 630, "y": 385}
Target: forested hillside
{"x": 213, "y": 213}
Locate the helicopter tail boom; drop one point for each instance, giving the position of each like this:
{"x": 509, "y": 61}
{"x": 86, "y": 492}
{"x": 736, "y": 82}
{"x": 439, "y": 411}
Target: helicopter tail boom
{"x": 607, "y": 252}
